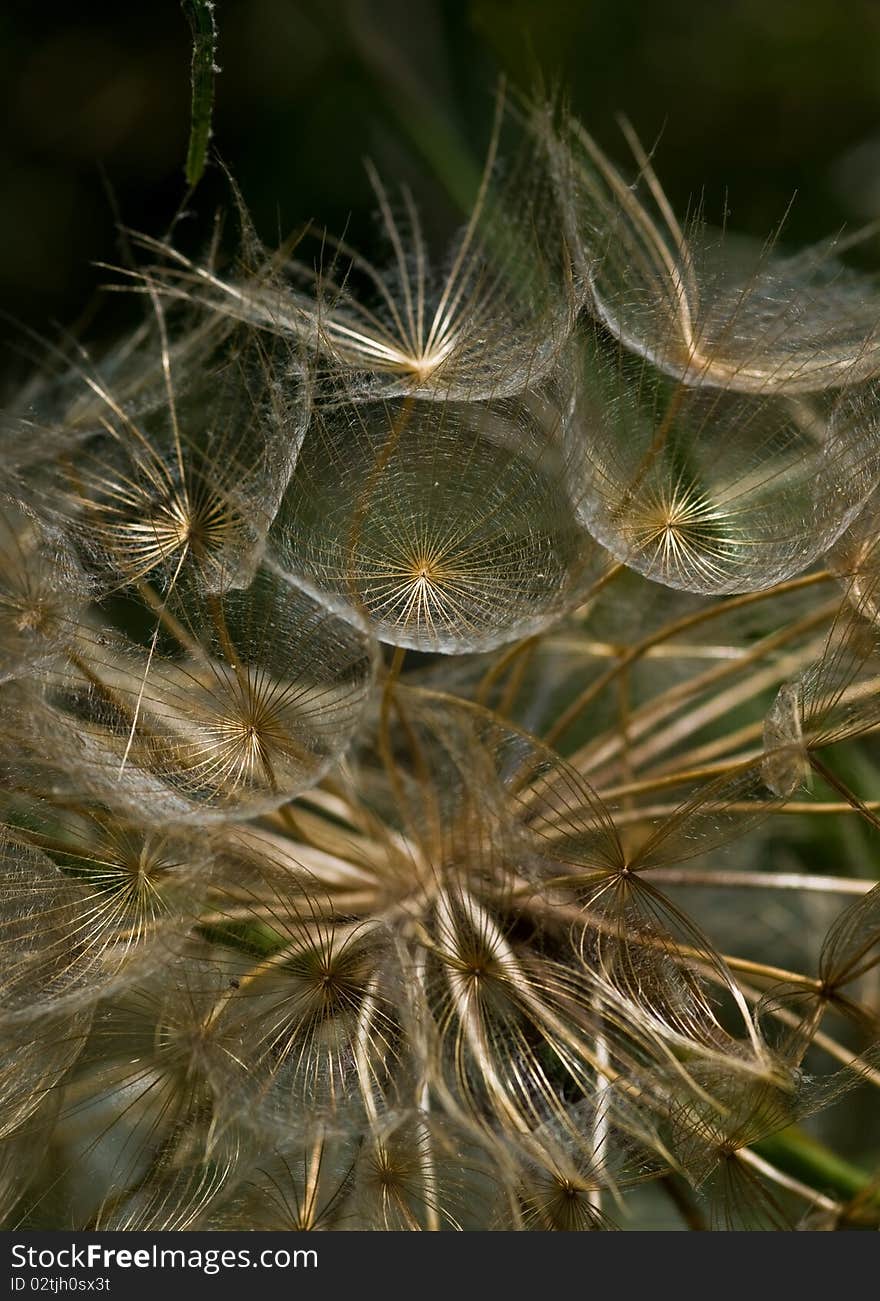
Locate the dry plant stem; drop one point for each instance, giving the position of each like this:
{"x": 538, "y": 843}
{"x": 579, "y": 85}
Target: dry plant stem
{"x": 658, "y": 442}
{"x": 753, "y": 731}
{"x": 508, "y": 658}
{"x": 739, "y": 762}
{"x": 766, "y": 970}
{"x": 429, "y": 1166}
{"x": 728, "y": 745}
{"x": 314, "y": 833}
{"x": 773, "y": 975}
{"x": 819, "y": 1038}
{"x": 630, "y": 654}
{"x": 624, "y": 717}
{"x": 679, "y": 1194}
{"x": 385, "y": 747}
{"x": 359, "y": 517}
{"x": 108, "y": 693}
{"x": 159, "y": 606}
{"x": 788, "y": 1182}
{"x": 762, "y": 880}
{"x": 289, "y": 818}
{"x": 515, "y": 681}
{"x": 516, "y": 657}
{"x": 686, "y": 952}
{"x": 805, "y": 806}
{"x": 772, "y": 642}
{"x": 600, "y": 1129}
{"x": 705, "y": 772}
{"x": 590, "y": 756}
{"x": 153, "y": 643}
{"x": 606, "y": 650}
{"x": 362, "y": 838}
{"x": 864, "y": 810}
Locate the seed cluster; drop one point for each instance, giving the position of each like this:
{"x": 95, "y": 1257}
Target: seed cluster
{"x": 434, "y": 699}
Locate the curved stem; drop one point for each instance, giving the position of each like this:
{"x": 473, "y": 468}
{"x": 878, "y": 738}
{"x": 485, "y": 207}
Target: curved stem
{"x": 686, "y": 622}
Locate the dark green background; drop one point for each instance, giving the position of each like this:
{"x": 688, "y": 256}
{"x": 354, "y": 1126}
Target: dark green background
{"x": 756, "y": 99}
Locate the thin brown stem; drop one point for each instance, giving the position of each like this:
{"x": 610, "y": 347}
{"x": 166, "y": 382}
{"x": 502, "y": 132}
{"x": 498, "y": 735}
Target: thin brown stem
{"x": 669, "y": 630}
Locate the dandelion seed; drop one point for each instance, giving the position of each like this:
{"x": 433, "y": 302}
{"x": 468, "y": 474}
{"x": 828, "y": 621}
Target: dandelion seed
{"x": 261, "y": 692}
{"x": 491, "y": 554}
{"x": 709, "y": 308}
{"x": 486, "y": 322}
{"x": 714, "y": 492}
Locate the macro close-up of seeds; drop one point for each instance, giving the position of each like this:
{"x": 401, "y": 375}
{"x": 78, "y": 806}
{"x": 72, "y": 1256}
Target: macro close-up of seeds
{"x": 440, "y": 695}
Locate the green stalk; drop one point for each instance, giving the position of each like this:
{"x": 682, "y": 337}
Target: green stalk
{"x": 200, "y": 16}
{"x": 799, "y": 1154}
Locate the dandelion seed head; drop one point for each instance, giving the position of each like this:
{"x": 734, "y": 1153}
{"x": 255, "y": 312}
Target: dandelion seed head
{"x": 300, "y": 934}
